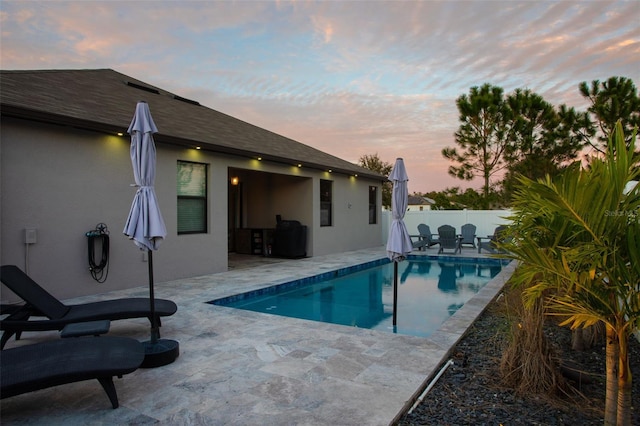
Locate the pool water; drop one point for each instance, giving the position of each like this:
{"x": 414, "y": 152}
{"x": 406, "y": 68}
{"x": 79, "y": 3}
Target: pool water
{"x": 429, "y": 291}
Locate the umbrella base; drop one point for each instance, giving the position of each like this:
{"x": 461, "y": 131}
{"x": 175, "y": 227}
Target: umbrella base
{"x": 162, "y": 352}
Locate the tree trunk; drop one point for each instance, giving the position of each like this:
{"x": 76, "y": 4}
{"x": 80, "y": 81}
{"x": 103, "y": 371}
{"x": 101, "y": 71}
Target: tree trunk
{"x": 586, "y": 338}
{"x": 611, "y": 398}
{"x": 527, "y": 364}
{"x": 624, "y": 382}
{"x": 577, "y": 339}
{"x": 485, "y": 188}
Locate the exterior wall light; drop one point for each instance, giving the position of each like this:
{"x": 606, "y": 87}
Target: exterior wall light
{"x": 234, "y": 180}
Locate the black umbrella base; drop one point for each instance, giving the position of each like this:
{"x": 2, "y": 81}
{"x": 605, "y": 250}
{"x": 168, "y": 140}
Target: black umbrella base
{"x": 162, "y": 352}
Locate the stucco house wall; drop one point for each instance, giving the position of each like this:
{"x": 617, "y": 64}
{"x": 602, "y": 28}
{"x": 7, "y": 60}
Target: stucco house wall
{"x": 63, "y": 181}
{"x": 350, "y": 229}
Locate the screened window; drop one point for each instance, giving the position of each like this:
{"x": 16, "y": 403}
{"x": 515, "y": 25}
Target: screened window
{"x": 326, "y": 197}
{"x": 373, "y": 202}
{"x": 192, "y": 198}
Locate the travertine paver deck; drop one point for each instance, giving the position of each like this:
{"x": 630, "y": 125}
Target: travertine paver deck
{"x": 245, "y": 368}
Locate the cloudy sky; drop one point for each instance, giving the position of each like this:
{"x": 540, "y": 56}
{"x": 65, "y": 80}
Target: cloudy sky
{"x": 351, "y": 78}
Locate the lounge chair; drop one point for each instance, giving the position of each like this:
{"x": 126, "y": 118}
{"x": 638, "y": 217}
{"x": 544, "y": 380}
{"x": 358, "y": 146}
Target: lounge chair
{"x": 448, "y": 239}
{"x": 492, "y": 243}
{"x": 58, "y": 362}
{"x": 468, "y": 234}
{"x": 425, "y": 238}
{"x": 39, "y": 303}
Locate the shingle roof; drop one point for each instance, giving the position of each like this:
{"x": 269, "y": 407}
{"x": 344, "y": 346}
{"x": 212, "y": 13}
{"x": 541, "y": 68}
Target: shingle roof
{"x": 415, "y": 200}
{"x": 104, "y": 100}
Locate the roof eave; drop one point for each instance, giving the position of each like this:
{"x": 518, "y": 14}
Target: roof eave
{"x": 114, "y": 129}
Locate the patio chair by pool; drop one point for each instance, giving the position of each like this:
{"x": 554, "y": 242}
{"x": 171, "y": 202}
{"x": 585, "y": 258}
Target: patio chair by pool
{"x": 425, "y": 238}
{"x": 39, "y": 303}
{"x": 448, "y": 239}
{"x": 491, "y": 243}
{"x": 58, "y": 362}
{"x": 468, "y": 234}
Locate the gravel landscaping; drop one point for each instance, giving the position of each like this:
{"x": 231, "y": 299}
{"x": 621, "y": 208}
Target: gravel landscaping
{"x": 470, "y": 392}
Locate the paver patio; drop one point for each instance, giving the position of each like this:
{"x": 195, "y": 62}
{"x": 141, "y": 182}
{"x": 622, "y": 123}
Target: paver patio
{"x": 239, "y": 367}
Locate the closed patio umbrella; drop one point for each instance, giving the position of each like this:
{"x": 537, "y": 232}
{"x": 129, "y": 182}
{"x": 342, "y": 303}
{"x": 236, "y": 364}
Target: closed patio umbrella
{"x": 145, "y": 225}
{"x": 399, "y": 242}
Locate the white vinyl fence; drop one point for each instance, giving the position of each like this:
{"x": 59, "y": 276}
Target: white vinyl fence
{"x": 485, "y": 221}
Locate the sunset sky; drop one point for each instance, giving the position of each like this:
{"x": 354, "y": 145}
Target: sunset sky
{"x": 350, "y": 78}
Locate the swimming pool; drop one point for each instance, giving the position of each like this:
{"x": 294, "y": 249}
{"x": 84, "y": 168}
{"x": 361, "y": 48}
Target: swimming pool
{"x": 430, "y": 290}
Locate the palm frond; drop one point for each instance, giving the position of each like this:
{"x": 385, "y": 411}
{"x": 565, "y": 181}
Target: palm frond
{"x": 580, "y": 235}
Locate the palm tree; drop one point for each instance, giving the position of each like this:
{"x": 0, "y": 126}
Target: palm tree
{"x": 578, "y": 243}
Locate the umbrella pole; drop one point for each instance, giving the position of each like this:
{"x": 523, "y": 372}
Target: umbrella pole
{"x": 158, "y": 352}
{"x": 395, "y": 292}
{"x": 155, "y": 333}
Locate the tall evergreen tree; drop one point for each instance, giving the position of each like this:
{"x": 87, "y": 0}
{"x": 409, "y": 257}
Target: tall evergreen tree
{"x": 375, "y": 164}
{"x": 520, "y": 134}
{"x": 612, "y": 100}
{"x": 543, "y": 138}
{"x": 482, "y": 138}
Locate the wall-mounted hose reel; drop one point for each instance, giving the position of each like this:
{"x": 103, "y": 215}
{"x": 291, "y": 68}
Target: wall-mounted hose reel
{"x": 98, "y": 242}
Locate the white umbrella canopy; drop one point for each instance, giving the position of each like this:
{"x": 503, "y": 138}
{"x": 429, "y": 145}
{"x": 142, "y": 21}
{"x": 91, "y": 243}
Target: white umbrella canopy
{"x": 399, "y": 241}
{"x": 145, "y": 225}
